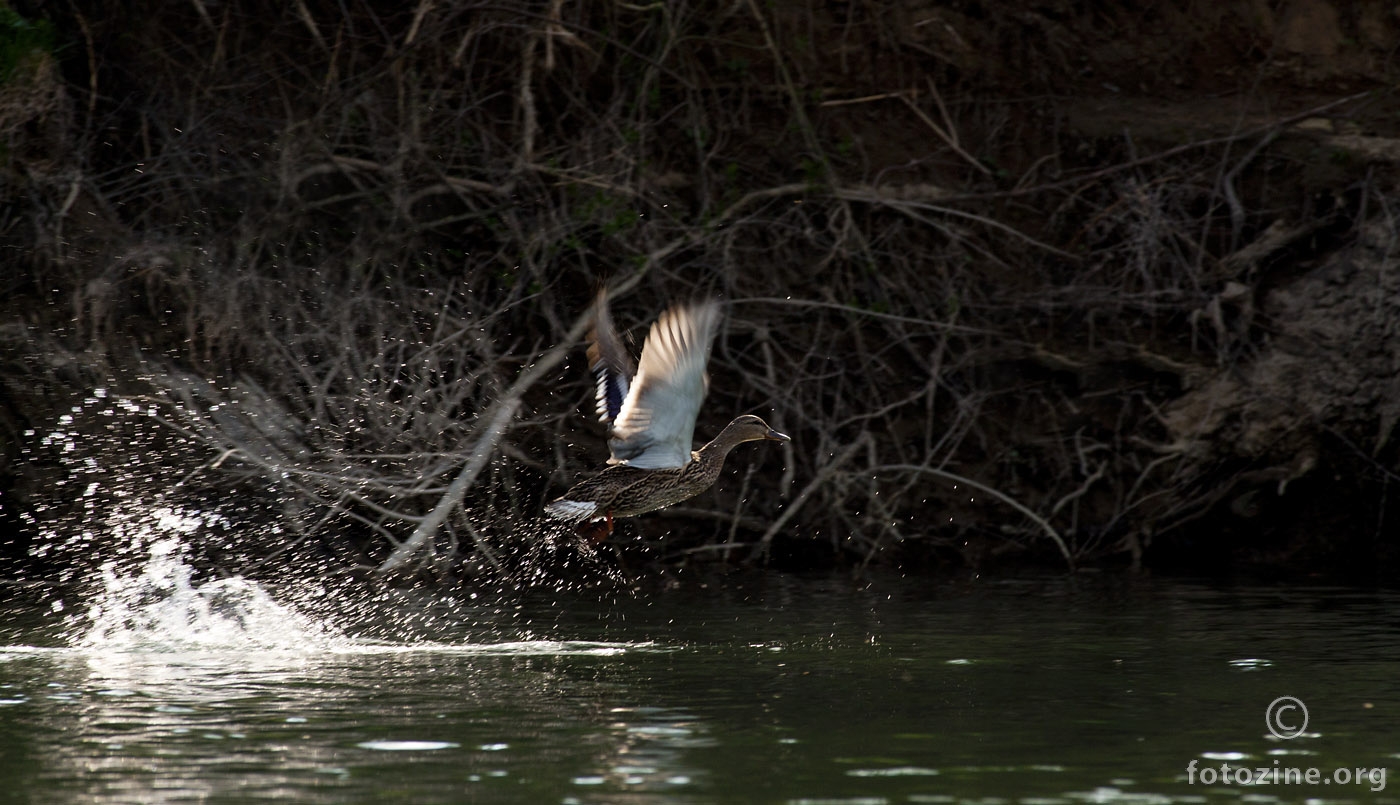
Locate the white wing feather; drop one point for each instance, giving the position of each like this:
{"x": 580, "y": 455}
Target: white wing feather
{"x": 655, "y": 428}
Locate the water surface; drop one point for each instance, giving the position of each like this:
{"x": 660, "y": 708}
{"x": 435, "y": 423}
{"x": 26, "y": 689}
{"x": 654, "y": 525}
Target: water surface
{"x": 746, "y": 689}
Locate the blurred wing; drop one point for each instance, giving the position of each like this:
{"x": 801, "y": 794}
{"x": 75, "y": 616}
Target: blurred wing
{"x": 655, "y": 427}
{"x": 608, "y": 360}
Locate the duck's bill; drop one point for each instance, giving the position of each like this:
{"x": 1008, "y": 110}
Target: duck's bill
{"x": 778, "y": 437}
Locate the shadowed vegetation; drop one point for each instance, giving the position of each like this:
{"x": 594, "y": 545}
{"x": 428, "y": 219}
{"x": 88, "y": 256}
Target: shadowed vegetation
{"x": 345, "y": 253}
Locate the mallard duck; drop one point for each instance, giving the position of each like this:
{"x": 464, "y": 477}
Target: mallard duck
{"x": 650, "y": 409}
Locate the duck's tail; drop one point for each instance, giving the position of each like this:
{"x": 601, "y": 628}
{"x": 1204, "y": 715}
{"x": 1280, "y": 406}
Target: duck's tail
{"x": 573, "y": 511}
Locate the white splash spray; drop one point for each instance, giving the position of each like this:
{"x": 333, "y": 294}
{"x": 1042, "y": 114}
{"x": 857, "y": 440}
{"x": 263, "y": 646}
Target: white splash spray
{"x": 157, "y": 605}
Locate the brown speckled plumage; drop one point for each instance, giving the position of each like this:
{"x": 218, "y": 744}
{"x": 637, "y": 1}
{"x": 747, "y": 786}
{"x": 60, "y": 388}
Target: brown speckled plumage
{"x": 653, "y": 422}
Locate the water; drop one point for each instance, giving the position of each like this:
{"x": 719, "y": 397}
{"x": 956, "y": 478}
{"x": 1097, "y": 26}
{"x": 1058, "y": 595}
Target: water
{"x": 743, "y": 689}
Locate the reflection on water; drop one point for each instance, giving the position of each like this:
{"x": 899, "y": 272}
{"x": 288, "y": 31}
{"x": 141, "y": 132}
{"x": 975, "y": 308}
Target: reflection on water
{"x": 756, "y": 689}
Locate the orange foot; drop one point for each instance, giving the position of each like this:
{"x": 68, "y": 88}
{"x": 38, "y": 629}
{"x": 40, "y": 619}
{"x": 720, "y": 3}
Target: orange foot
{"x": 595, "y": 531}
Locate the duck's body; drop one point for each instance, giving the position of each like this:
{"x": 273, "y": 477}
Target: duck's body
{"x": 626, "y": 491}
{"x": 652, "y": 419}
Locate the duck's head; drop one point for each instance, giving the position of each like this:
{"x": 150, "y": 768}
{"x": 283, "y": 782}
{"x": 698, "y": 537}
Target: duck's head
{"x": 749, "y": 428}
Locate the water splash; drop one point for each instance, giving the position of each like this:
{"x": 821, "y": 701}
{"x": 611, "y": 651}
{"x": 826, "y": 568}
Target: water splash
{"x": 137, "y": 497}
{"x": 158, "y": 606}
{"x": 118, "y": 460}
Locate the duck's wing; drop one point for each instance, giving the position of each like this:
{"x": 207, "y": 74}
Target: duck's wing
{"x": 609, "y": 361}
{"x": 655, "y": 427}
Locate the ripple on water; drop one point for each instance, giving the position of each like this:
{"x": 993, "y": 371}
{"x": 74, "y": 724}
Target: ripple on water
{"x": 1251, "y": 664}
{"x": 895, "y": 771}
{"x": 514, "y": 648}
{"x": 1225, "y": 755}
{"x": 407, "y": 746}
{"x": 1117, "y": 796}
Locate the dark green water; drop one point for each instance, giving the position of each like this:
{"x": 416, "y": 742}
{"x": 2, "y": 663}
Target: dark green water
{"x": 751, "y": 689}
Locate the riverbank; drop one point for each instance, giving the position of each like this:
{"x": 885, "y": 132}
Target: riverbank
{"x": 1028, "y": 285}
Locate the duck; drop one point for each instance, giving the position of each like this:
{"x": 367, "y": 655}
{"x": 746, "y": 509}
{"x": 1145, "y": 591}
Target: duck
{"x": 650, "y": 409}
